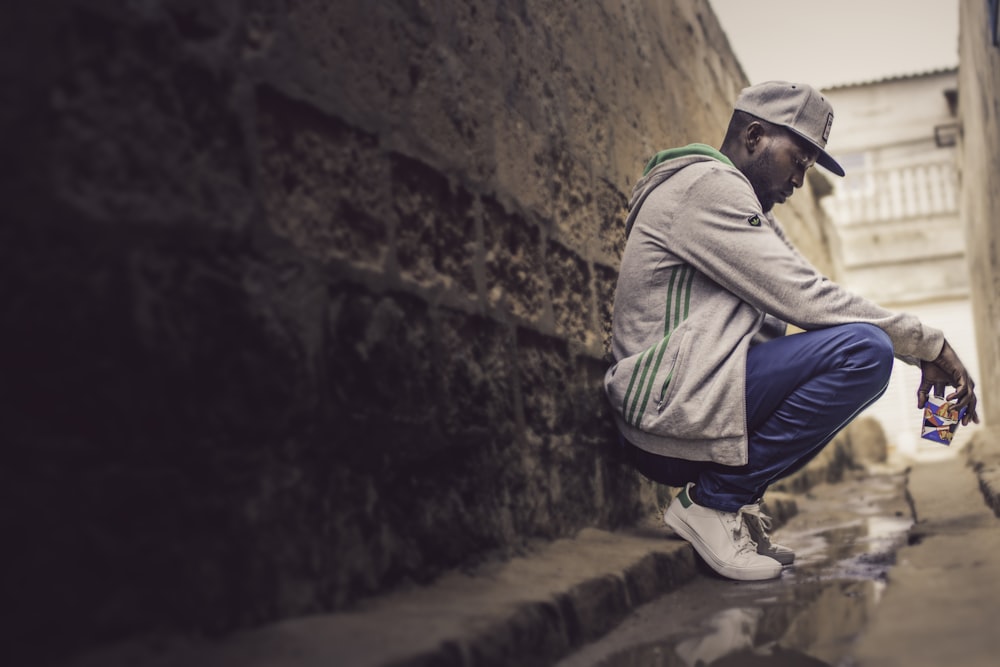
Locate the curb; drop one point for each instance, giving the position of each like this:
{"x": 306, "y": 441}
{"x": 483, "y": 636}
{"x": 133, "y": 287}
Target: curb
{"x": 530, "y": 610}
{"x": 983, "y": 455}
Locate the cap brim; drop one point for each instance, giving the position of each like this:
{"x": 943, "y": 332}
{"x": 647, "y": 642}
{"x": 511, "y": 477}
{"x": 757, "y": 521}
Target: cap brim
{"x": 824, "y": 160}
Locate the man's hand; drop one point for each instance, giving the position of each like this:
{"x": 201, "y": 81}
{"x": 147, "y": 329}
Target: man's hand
{"x": 948, "y": 369}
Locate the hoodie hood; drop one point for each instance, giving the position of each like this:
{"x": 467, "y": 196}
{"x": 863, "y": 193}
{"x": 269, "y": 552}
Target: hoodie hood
{"x": 662, "y": 166}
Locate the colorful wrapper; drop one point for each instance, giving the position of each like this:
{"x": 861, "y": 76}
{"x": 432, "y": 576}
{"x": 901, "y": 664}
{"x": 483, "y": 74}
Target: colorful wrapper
{"x": 941, "y": 420}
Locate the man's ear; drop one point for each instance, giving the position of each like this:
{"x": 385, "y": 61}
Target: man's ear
{"x": 753, "y": 135}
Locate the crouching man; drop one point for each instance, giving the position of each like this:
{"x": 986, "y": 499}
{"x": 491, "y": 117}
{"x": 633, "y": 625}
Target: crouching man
{"x": 709, "y": 393}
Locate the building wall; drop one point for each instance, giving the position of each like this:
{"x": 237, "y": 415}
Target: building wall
{"x": 304, "y": 301}
{"x": 979, "y": 100}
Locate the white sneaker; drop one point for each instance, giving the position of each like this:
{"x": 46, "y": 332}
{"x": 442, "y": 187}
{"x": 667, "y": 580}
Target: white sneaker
{"x": 758, "y": 524}
{"x": 720, "y": 538}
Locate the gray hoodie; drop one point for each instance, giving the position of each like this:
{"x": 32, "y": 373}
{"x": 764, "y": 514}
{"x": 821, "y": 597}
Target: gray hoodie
{"x": 706, "y": 274}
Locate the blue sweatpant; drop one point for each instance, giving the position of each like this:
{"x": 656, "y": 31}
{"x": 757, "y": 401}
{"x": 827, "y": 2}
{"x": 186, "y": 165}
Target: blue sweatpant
{"x": 801, "y": 390}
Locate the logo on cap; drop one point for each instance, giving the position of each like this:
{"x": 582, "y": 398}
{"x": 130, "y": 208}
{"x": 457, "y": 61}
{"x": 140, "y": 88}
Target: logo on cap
{"x": 826, "y": 130}
{"x": 754, "y": 220}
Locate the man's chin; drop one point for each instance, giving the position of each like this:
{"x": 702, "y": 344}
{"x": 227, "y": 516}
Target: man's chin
{"x": 779, "y": 198}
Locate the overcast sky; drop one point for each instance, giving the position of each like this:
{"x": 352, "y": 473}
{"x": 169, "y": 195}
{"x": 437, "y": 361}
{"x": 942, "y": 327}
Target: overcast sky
{"x": 839, "y": 41}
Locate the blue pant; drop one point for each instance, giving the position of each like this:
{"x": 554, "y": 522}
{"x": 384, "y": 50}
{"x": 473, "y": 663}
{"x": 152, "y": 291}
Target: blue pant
{"x": 801, "y": 390}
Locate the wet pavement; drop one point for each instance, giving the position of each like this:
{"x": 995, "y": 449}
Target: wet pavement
{"x": 845, "y": 537}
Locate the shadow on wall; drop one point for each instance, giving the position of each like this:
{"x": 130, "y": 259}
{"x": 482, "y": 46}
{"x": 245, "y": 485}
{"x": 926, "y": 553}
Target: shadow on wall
{"x": 302, "y": 303}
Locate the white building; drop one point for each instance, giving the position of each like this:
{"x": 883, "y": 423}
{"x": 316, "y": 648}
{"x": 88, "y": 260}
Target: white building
{"x": 899, "y": 237}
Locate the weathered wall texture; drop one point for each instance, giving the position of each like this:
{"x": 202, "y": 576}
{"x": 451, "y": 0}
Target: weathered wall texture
{"x": 979, "y": 104}
{"x": 304, "y": 300}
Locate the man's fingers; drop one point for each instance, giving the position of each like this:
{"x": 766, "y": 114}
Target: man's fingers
{"x": 970, "y": 413}
{"x": 923, "y": 389}
{"x": 965, "y": 398}
{"x": 964, "y": 391}
{"x": 961, "y": 394}
{"x": 922, "y": 394}
{"x": 975, "y": 416}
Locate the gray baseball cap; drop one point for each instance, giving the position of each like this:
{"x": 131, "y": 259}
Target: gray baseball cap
{"x": 796, "y": 106}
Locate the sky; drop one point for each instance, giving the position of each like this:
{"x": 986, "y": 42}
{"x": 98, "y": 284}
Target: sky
{"x": 839, "y": 41}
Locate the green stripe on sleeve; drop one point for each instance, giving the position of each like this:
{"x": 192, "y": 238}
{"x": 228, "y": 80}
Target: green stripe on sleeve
{"x": 677, "y": 301}
{"x": 670, "y": 296}
{"x": 631, "y": 382}
{"x": 652, "y": 381}
{"x": 642, "y": 383}
{"x": 687, "y": 294}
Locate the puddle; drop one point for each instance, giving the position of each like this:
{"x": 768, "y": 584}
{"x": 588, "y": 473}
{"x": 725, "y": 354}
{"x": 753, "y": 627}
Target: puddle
{"x": 845, "y": 538}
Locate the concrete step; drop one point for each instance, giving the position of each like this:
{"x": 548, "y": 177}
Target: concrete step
{"x": 528, "y": 610}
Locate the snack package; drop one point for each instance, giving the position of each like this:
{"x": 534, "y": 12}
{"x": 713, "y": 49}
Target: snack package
{"x": 941, "y": 420}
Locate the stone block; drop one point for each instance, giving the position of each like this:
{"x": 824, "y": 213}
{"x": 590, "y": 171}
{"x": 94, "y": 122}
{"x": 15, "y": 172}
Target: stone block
{"x": 436, "y": 239}
{"x": 324, "y": 185}
{"x": 605, "y": 282}
{"x": 354, "y": 51}
{"x": 477, "y": 392}
{"x": 522, "y": 164}
{"x": 382, "y": 372}
{"x": 545, "y": 372}
{"x": 612, "y": 207}
{"x": 140, "y": 132}
{"x": 572, "y": 299}
{"x": 515, "y": 272}
{"x": 571, "y": 201}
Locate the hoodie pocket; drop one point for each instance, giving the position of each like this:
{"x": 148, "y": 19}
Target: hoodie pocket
{"x": 668, "y": 386}
{"x": 650, "y": 381}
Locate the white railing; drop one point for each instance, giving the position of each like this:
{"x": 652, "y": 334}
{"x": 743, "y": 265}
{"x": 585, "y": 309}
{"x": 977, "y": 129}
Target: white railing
{"x": 891, "y": 194}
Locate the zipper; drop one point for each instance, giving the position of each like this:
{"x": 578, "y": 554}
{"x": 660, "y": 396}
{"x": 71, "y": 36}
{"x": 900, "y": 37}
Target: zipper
{"x": 661, "y": 402}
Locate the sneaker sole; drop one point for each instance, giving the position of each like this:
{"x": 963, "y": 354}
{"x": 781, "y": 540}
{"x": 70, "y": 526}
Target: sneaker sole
{"x": 785, "y": 558}
{"x": 681, "y": 527}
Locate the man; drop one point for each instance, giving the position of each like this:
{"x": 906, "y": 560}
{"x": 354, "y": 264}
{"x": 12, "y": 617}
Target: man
{"x": 709, "y": 394}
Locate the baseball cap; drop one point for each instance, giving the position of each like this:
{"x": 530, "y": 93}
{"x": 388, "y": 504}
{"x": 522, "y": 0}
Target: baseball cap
{"x": 796, "y": 106}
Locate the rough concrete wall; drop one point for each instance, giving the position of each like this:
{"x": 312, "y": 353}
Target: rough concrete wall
{"x": 979, "y": 102}
{"x": 305, "y": 300}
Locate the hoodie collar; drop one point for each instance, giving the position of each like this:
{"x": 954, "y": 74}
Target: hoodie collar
{"x": 683, "y": 151}
{"x": 662, "y": 166}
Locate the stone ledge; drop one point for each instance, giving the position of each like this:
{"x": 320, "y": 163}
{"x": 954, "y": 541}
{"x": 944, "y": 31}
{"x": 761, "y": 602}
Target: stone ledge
{"x": 529, "y": 610}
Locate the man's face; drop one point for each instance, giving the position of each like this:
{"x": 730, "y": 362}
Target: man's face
{"x": 779, "y": 166}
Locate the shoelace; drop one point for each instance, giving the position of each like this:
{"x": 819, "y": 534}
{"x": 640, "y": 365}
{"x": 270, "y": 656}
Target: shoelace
{"x": 741, "y": 535}
{"x": 763, "y": 521}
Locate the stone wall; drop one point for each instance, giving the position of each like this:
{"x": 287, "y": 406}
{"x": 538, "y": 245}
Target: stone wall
{"x": 979, "y": 104}
{"x": 303, "y": 300}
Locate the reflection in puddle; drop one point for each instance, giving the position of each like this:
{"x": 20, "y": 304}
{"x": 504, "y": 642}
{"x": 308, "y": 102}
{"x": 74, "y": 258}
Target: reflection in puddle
{"x": 808, "y": 617}
{"x": 729, "y": 631}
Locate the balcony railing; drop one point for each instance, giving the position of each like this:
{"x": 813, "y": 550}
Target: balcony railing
{"x": 920, "y": 190}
